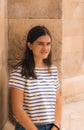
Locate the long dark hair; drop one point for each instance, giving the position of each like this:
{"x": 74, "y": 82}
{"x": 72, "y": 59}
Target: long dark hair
{"x": 27, "y": 63}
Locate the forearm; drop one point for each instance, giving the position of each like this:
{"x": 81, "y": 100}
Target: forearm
{"x": 24, "y": 119}
{"x": 58, "y": 112}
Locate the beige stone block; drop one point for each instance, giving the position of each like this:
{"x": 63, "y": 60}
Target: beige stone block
{"x": 57, "y": 40}
{"x": 73, "y": 44}
{"x": 73, "y": 114}
{"x": 73, "y": 9}
{"x": 83, "y": 64}
{"x": 3, "y": 66}
{"x": 57, "y": 51}
{"x": 57, "y": 63}
{"x": 79, "y": 96}
{"x": 77, "y": 120}
{"x": 67, "y": 8}
{"x": 57, "y": 31}
{"x": 2, "y": 29}
{"x": 79, "y": 11}
{"x": 72, "y": 87}
{"x": 34, "y": 9}
{"x": 82, "y": 1}
{"x": 72, "y": 64}
{"x": 79, "y": 84}
{"x": 18, "y": 29}
{"x": 67, "y": 89}
{"x": 73, "y": 28}
{"x": 9, "y": 126}
{"x": 3, "y": 8}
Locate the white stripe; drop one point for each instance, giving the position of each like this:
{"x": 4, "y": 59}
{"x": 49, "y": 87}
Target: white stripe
{"x": 41, "y": 114}
{"x": 42, "y": 111}
{"x": 16, "y": 85}
{"x": 45, "y": 103}
{"x": 40, "y": 93}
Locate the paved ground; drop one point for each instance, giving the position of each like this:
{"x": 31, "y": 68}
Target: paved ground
{"x": 73, "y": 116}
{"x": 72, "y": 119}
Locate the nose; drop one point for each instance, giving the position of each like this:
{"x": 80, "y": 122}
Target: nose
{"x": 45, "y": 47}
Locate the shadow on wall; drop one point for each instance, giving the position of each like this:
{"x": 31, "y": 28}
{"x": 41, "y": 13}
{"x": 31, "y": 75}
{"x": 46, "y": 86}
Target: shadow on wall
{"x": 3, "y": 97}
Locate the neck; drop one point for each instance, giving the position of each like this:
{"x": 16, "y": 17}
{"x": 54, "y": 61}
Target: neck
{"x": 39, "y": 63}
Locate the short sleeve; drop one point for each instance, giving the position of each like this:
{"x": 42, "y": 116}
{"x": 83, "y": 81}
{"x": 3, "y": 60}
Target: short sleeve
{"x": 56, "y": 78}
{"x": 16, "y": 80}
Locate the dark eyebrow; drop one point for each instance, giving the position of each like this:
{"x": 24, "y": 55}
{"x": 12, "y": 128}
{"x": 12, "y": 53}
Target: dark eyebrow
{"x": 43, "y": 42}
{"x": 49, "y": 42}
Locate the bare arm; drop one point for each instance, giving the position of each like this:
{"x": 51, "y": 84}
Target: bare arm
{"x": 17, "y": 109}
{"x": 58, "y": 110}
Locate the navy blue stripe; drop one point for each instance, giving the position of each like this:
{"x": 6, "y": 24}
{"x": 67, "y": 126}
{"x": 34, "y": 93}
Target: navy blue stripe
{"x": 42, "y": 116}
{"x": 42, "y": 119}
{"x": 36, "y": 101}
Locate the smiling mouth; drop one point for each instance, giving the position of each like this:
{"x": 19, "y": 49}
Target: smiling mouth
{"x": 44, "y": 52}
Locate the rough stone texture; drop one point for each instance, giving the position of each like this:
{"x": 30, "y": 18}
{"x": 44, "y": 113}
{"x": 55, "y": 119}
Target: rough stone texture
{"x": 73, "y": 50}
{"x": 23, "y": 15}
{"x": 75, "y": 119}
{"x": 27, "y": 13}
{"x": 34, "y": 9}
{"x": 18, "y": 29}
{"x": 73, "y": 116}
{"x": 73, "y": 9}
{"x": 73, "y": 27}
{"x": 71, "y": 45}
{"x": 73, "y": 38}
{"x": 73, "y": 88}
{"x": 3, "y": 64}
{"x": 72, "y": 64}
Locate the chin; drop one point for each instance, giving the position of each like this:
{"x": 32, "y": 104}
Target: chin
{"x": 45, "y": 57}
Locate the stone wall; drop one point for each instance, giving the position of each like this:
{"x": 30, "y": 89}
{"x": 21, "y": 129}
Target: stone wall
{"x": 22, "y": 15}
{"x": 73, "y": 48}
{"x": 65, "y": 20}
{"x": 3, "y": 63}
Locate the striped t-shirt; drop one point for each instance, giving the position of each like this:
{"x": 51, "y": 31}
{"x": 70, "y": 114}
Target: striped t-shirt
{"x": 39, "y": 94}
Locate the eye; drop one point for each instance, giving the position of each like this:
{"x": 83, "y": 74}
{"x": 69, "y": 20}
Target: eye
{"x": 40, "y": 43}
{"x": 49, "y": 43}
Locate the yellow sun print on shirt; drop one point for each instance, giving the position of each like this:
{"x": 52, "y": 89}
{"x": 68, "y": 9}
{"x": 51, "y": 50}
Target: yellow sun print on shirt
{"x": 47, "y": 93}
{"x": 25, "y": 94}
{"x": 55, "y": 82}
{"x": 28, "y": 83}
{"x": 14, "y": 81}
{"x": 38, "y": 119}
{"x": 36, "y": 94}
{"x": 30, "y": 108}
{"x": 51, "y": 105}
{"x": 43, "y": 106}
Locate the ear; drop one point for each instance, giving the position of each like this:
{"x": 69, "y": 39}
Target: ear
{"x": 29, "y": 45}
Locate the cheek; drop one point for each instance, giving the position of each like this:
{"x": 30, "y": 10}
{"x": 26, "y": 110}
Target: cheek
{"x": 35, "y": 51}
{"x": 49, "y": 48}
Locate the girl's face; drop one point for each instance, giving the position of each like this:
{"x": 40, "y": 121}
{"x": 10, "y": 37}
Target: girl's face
{"x": 41, "y": 47}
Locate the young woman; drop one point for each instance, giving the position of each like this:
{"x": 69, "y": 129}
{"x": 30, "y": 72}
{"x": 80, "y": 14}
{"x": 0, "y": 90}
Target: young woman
{"x": 35, "y": 88}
